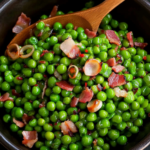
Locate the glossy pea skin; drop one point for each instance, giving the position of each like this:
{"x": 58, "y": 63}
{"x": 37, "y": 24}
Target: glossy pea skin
{"x": 125, "y": 54}
{"x": 122, "y": 140}
{"x": 61, "y": 69}
{"x": 110, "y": 107}
{"x": 113, "y": 134}
{"x": 91, "y": 117}
{"x": 86, "y": 140}
{"x": 130, "y": 97}
{"x": 66, "y": 139}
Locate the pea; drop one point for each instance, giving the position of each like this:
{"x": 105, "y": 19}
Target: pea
{"x": 130, "y": 97}
{"x": 57, "y": 26}
{"x": 61, "y": 69}
{"x": 66, "y": 139}
{"x": 110, "y": 107}
{"x": 14, "y": 127}
{"x": 101, "y": 96}
{"x": 122, "y": 140}
{"x": 86, "y": 140}
{"x": 117, "y": 119}
{"x": 91, "y": 117}
{"x": 40, "y": 25}
{"x": 9, "y": 104}
{"x": 113, "y": 134}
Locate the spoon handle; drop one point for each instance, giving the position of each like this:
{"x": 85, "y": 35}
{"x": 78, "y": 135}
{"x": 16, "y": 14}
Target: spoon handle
{"x": 96, "y": 14}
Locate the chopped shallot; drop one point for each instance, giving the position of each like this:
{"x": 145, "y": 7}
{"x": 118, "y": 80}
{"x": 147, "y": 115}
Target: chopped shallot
{"x": 94, "y": 106}
{"x": 120, "y": 93}
{"x": 67, "y": 127}
{"x": 57, "y": 75}
{"x": 92, "y": 67}
{"x": 73, "y": 71}
{"x": 70, "y": 48}
{"x": 12, "y": 51}
{"x": 44, "y": 89}
{"x": 24, "y": 48}
{"x": 29, "y": 138}
{"x": 18, "y": 123}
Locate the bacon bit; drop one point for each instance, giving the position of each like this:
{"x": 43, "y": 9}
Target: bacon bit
{"x": 18, "y": 123}
{"x": 94, "y": 106}
{"x": 104, "y": 87}
{"x": 116, "y": 80}
{"x": 118, "y": 56}
{"x": 52, "y": 52}
{"x": 67, "y": 127}
{"x": 120, "y": 59}
{"x": 134, "y": 77}
{"x": 95, "y": 142}
{"x": 70, "y": 134}
{"x": 81, "y": 55}
{"x": 40, "y": 34}
{"x": 116, "y": 48}
{"x": 146, "y": 72}
{"x": 135, "y": 90}
{"x": 86, "y": 95}
{"x": 126, "y": 89}
{"x": 123, "y": 48}
{"x": 42, "y": 61}
{"x": 44, "y": 89}
{"x": 26, "y": 118}
{"x": 25, "y": 66}
{"x": 144, "y": 58}
{"x": 5, "y": 97}
{"x": 14, "y": 92}
{"x": 118, "y": 68}
{"x": 73, "y": 71}
{"x": 44, "y": 52}
{"x": 120, "y": 93}
{"x": 127, "y": 72}
{"x": 130, "y": 38}
{"x": 92, "y": 67}
{"x": 22, "y": 22}
{"x": 92, "y": 78}
{"x": 141, "y": 45}
{"x": 45, "y": 76}
{"x": 90, "y": 34}
{"x": 148, "y": 114}
{"x": 54, "y": 11}
{"x": 85, "y": 84}
{"x": 99, "y": 87}
{"x": 29, "y": 138}
{"x": 111, "y": 62}
{"x": 70, "y": 48}
{"x": 19, "y": 78}
{"x": 112, "y": 37}
{"x": 65, "y": 85}
{"x": 36, "y": 85}
{"x": 86, "y": 51}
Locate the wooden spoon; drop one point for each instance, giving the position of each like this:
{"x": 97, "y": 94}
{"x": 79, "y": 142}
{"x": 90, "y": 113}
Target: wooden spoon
{"x": 89, "y": 19}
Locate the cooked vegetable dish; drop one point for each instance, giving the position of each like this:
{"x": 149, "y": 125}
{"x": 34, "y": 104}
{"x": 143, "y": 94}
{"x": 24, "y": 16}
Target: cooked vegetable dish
{"x": 68, "y": 88}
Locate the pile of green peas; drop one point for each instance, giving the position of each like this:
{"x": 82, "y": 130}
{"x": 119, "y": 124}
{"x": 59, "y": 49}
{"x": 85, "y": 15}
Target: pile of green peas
{"x": 117, "y": 119}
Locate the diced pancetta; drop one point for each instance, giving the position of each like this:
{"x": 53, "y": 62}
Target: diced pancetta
{"x": 130, "y": 38}
{"x": 111, "y": 62}
{"x": 22, "y": 22}
{"x": 74, "y": 102}
{"x": 141, "y": 45}
{"x": 18, "y": 123}
{"x": 112, "y": 37}
{"x": 29, "y": 138}
{"x": 116, "y": 80}
{"x": 70, "y": 48}
{"x": 118, "y": 68}
{"x": 65, "y": 85}
{"x": 90, "y": 34}
{"x": 86, "y": 95}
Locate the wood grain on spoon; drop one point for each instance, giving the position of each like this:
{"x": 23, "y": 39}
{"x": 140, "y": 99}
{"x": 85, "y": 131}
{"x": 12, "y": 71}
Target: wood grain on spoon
{"x": 89, "y": 19}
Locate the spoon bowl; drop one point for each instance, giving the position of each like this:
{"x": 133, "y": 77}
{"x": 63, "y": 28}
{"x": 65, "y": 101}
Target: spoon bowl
{"x": 87, "y": 19}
